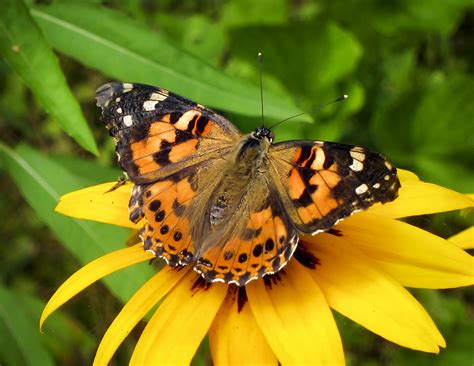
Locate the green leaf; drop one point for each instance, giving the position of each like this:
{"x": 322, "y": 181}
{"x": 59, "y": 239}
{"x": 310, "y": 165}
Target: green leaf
{"x": 293, "y": 56}
{"x": 20, "y": 339}
{"x": 88, "y": 171}
{"x": 125, "y": 50}
{"x": 430, "y": 129}
{"x": 308, "y": 58}
{"x": 196, "y": 34}
{"x": 444, "y": 122}
{"x": 25, "y": 50}
{"x": 421, "y": 15}
{"x": 238, "y": 13}
{"x": 446, "y": 171}
{"x": 42, "y": 181}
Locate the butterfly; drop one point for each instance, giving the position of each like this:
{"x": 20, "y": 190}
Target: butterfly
{"x": 231, "y": 205}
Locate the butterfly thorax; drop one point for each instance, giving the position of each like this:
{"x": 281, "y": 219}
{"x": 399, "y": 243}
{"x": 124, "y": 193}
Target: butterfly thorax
{"x": 253, "y": 148}
{"x": 249, "y": 162}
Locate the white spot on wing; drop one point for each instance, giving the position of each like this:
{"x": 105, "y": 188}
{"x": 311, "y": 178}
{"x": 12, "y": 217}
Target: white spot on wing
{"x": 159, "y": 97}
{"x": 357, "y": 155}
{"x": 387, "y": 177}
{"x": 356, "y": 165}
{"x": 126, "y": 87}
{"x": 119, "y": 110}
{"x": 361, "y": 189}
{"x": 319, "y": 159}
{"x": 127, "y": 121}
{"x": 376, "y": 185}
{"x": 149, "y": 105}
{"x": 388, "y": 165}
{"x": 183, "y": 122}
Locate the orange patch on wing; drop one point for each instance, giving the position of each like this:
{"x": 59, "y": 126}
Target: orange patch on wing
{"x": 146, "y": 165}
{"x": 161, "y": 130}
{"x": 182, "y": 150}
{"x": 184, "y": 191}
{"x": 331, "y": 178}
{"x": 258, "y": 218}
{"x": 212, "y": 256}
{"x": 305, "y": 215}
{"x": 322, "y": 196}
{"x": 226, "y": 258}
{"x": 313, "y": 211}
{"x": 157, "y": 188}
{"x": 296, "y": 185}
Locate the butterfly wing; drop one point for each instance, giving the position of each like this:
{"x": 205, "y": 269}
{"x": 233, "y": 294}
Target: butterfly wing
{"x": 172, "y": 149}
{"x": 258, "y": 240}
{"x": 322, "y": 183}
{"x": 159, "y": 133}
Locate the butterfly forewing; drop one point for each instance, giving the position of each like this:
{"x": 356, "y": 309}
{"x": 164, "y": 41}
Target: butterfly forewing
{"x": 322, "y": 183}
{"x": 158, "y": 133}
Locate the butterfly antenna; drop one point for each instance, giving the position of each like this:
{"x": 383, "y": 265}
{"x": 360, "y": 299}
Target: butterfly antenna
{"x": 342, "y": 97}
{"x": 260, "y": 62}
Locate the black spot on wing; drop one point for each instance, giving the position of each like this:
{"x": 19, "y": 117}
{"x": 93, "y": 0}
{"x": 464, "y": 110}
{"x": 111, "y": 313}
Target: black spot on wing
{"x": 305, "y": 153}
{"x": 161, "y": 157}
{"x": 201, "y": 124}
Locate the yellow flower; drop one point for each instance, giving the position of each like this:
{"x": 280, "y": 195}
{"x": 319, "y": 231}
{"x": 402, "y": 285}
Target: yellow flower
{"x": 358, "y": 269}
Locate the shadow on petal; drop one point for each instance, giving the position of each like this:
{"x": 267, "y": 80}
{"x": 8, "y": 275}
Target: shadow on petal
{"x": 295, "y": 318}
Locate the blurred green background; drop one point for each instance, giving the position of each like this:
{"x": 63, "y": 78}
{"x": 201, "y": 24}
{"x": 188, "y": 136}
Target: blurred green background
{"x": 406, "y": 65}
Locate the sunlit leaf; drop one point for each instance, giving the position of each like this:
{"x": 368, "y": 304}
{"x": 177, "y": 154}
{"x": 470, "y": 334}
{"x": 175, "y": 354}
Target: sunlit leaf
{"x": 125, "y": 50}
{"x": 25, "y": 50}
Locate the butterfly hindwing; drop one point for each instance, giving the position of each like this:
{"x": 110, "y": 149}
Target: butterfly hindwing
{"x": 167, "y": 232}
{"x": 261, "y": 241}
{"x": 322, "y": 183}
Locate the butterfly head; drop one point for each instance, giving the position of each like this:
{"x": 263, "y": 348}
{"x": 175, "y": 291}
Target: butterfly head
{"x": 254, "y": 147}
{"x": 263, "y": 133}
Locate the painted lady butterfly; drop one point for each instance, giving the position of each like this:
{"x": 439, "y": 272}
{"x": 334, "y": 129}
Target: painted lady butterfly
{"x": 231, "y": 205}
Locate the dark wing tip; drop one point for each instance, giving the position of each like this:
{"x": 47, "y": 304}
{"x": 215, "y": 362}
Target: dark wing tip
{"x": 105, "y": 93}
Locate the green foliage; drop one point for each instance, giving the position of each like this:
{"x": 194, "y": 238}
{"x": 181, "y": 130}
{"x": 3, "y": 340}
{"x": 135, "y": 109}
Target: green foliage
{"x": 125, "y": 50}
{"x": 406, "y": 65}
{"x": 25, "y": 50}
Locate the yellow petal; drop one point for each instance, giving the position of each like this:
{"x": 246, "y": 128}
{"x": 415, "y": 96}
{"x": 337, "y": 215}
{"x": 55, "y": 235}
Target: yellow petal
{"x": 420, "y": 198}
{"x": 134, "y": 310}
{"x": 414, "y": 257}
{"x": 176, "y": 329}
{"x": 235, "y": 337}
{"x": 464, "y": 239}
{"x": 95, "y": 203}
{"x": 296, "y": 320}
{"x": 354, "y": 287}
{"x": 92, "y": 272}
{"x": 406, "y": 175}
